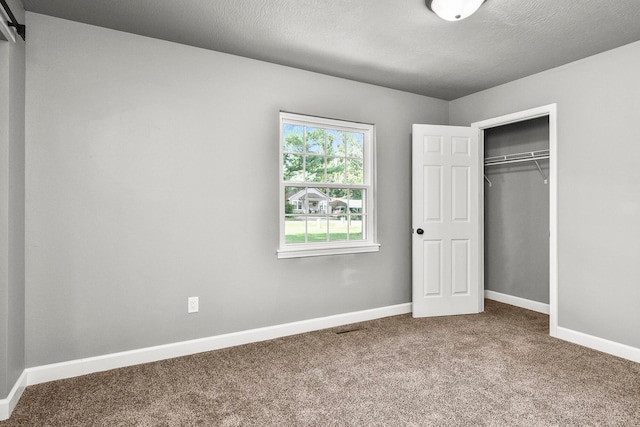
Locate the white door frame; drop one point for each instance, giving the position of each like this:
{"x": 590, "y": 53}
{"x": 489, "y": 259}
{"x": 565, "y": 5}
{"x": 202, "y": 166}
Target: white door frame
{"x": 545, "y": 110}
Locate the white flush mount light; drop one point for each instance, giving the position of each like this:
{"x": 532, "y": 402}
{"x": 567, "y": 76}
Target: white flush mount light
{"x": 454, "y": 10}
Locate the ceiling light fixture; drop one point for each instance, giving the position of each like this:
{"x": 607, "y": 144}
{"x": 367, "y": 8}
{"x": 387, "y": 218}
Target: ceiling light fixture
{"x": 454, "y": 10}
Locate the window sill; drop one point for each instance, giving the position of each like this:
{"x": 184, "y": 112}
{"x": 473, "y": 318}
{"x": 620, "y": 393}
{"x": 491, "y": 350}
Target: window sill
{"x": 309, "y": 251}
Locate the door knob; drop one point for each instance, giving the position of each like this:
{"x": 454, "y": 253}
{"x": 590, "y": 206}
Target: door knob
{"x": 420, "y": 231}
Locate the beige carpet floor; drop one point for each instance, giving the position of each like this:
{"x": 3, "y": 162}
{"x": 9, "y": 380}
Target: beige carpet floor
{"x": 498, "y": 368}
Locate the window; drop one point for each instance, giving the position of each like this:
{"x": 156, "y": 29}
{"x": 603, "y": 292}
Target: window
{"x": 327, "y": 194}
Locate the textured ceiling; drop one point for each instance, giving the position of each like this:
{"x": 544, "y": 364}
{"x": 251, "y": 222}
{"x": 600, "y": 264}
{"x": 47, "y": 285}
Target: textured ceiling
{"x": 393, "y": 43}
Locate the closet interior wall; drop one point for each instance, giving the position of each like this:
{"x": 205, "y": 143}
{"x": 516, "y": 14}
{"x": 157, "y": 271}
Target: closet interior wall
{"x": 516, "y": 213}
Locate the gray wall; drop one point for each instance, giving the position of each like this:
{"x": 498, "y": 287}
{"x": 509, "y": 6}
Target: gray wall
{"x": 153, "y": 176}
{"x": 143, "y": 155}
{"x": 516, "y": 213}
{"x": 12, "y": 196}
{"x": 598, "y": 183}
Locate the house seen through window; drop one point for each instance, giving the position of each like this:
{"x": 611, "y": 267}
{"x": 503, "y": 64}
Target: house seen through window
{"x": 327, "y": 193}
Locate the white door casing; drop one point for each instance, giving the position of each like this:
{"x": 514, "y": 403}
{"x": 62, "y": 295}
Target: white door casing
{"x": 446, "y": 221}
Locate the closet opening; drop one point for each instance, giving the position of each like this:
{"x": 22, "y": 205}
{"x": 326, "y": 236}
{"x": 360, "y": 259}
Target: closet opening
{"x": 520, "y": 210}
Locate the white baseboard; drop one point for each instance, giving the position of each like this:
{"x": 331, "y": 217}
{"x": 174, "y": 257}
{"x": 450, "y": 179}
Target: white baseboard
{"x": 89, "y": 365}
{"x": 7, "y": 405}
{"x": 600, "y": 344}
{"x": 540, "y": 307}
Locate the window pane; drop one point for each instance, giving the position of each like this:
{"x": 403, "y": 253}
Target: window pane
{"x": 294, "y": 229}
{"x": 356, "y": 227}
{"x": 355, "y": 172}
{"x": 356, "y": 201}
{"x": 335, "y": 143}
{"x": 316, "y": 229}
{"x": 316, "y": 201}
{"x": 324, "y": 204}
{"x": 335, "y": 170}
{"x": 338, "y": 201}
{"x": 293, "y": 167}
{"x": 355, "y": 144}
{"x": 315, "y": 168}
{"x": 315, "y": 140}
{"x": 293, "y": 136}
{"x": 294, "y": 200}
{"x": 338, "y": 228}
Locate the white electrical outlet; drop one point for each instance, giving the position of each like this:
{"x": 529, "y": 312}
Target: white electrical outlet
{"x": 192, "y": 305}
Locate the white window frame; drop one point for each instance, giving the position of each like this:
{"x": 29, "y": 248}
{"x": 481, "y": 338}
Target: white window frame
{"x": 369, "y": 244}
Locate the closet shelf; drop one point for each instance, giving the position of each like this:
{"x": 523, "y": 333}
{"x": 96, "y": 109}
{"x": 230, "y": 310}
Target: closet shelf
{"x": 527, "y": 156}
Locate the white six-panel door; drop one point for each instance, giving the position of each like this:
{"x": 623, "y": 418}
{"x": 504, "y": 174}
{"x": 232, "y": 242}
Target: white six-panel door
{"x": 446, "y": 228}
